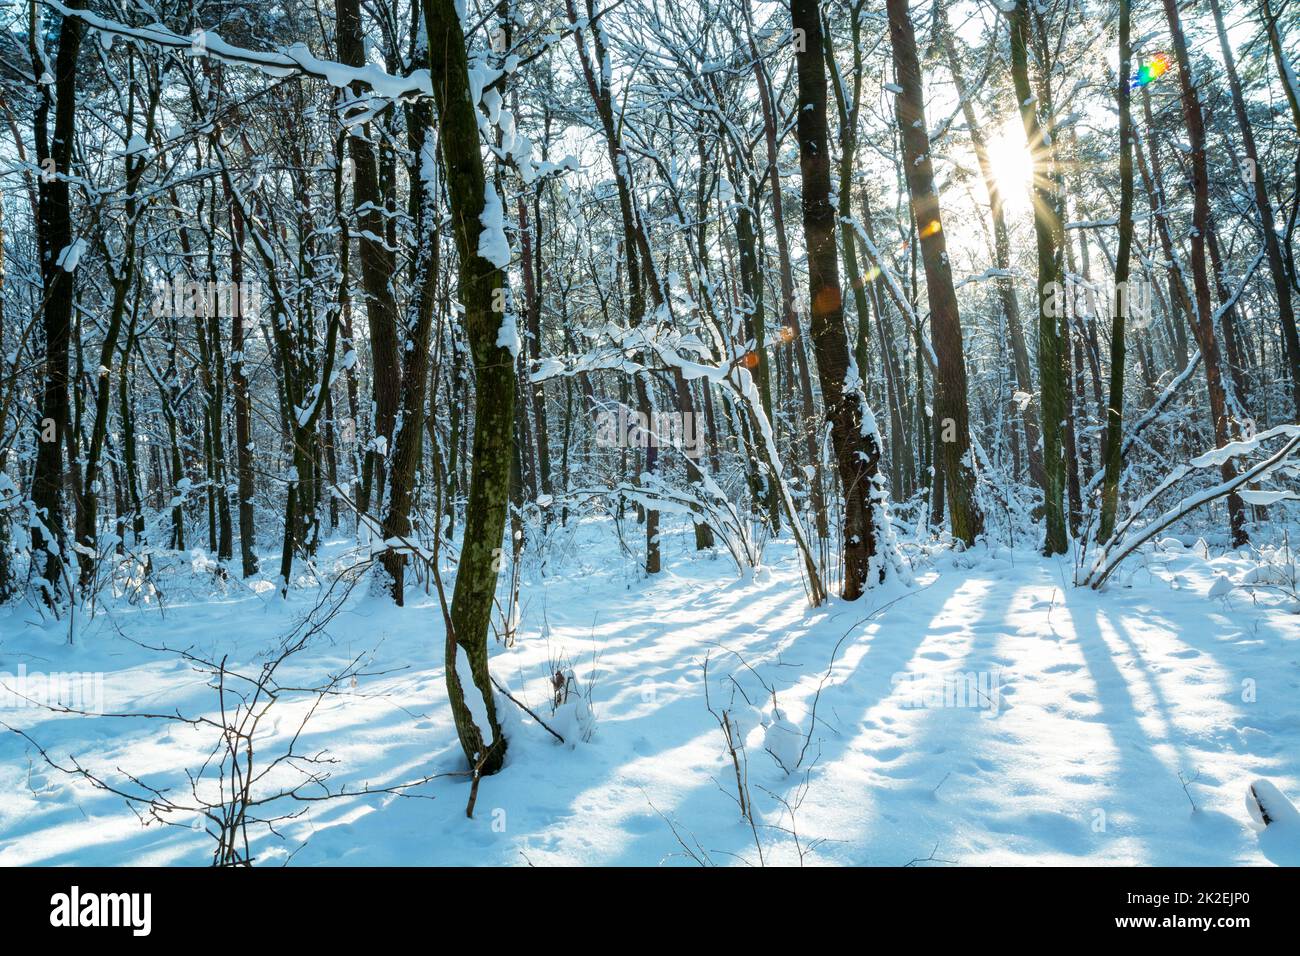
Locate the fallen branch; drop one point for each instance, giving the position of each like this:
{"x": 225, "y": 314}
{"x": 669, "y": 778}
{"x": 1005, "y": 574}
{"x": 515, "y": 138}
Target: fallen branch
{"x": 1123, "y": 543}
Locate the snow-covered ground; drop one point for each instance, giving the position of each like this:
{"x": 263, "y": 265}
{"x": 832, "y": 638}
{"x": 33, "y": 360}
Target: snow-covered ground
{"x": 990, "y": 713}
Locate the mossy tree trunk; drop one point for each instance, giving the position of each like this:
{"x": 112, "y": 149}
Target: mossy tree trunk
{"x": 481, "y": 286}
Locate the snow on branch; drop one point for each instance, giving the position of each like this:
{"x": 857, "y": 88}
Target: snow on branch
{"x": 733, "y": 378}
{"x": 1150, "y": 415}
{"x": 294, "y": 59}
{"x": 1125, "y": 541}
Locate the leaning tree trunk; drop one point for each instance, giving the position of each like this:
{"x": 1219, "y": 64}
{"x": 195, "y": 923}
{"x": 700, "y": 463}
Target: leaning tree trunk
{"x": 854, "y": 438}
{"x": 87, "y": 514}
{"x": 481, "y": 287}
{"x": 950, "y": 388}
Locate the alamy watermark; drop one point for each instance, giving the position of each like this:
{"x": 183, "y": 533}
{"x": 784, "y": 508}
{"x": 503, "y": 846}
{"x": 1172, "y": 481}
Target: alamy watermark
{"x": 1082, "y": 300}
{"x": 75, "y": 908}
{"x": 183, "y": 298}
{"x": 79, "y": 691}
{"x": 625, "y": 428}
{"x": 974, "y": 690}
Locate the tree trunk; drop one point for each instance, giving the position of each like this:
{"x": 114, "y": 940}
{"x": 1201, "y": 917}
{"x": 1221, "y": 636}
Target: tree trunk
{"x": 54, "y": 228}
{"x": 1001, "y": 259}
{"x": 481, "y": 287}
{"x": 790, "y": 327}
{"x": 409, "y": 440}
{"x": 1048, "y": 235}
{"x": 1203, "y": 320}
{"x": 378, "y": 266}
{"x": 950, "y": 392}
{"x": 1264, "y": 206}
{"x": 1119, "y": 316}
{"x": 243, "y": 403}
{"x": 854, "y": 438}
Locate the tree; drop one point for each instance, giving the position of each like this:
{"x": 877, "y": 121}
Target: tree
{"x": 1264, "y": 207}
{"x": 1001, "y": 250}
{"x": 409, "y": 437}
{"x": 1115, "y": 405}
{"x": 481, "y": 289}
{"x": 854, "y": 438}
{"x": 1203, "y": 322}
{"x": 242, "y": 401}
{"x": 1048, "y": 236}
{"x": 635, "y": 247}
{"x": 378, "y": 265}
{"x": 945, "y": 322}
{"x": 58, "y": 265}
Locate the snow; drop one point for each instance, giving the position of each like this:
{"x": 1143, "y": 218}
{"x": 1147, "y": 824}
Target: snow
{"x": 783, "y": 740}
{"x": 1289, "y": 72}
{"x": 1276, "y": 819}
{"x": 296, "y": 58}
{"x": 473, "y": 697}
{"x": 1267, "y": 805}
{"x": 1103, "y": 702}
{"x": 1235, "y": 449}
{"x": 70, "y": 256}
{"x": 492, "y": 244}
{"x": 1221, "y": 587}
{"x": 508, "y": 334}
{"x": 480, "y": 78}
{"x": 136, "y": 145}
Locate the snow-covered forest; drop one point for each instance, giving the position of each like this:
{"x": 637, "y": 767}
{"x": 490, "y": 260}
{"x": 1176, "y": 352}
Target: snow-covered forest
{"x": 638, "y": 431}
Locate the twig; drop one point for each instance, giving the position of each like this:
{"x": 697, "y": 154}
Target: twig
{"x": 527, "y": 710}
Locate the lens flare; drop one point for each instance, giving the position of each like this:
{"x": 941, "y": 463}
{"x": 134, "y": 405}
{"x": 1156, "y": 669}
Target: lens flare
{"x": 1150, "y": 71}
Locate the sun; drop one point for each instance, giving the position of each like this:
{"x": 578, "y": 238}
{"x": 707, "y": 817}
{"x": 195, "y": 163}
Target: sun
{"x": 1013, "y": 167}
